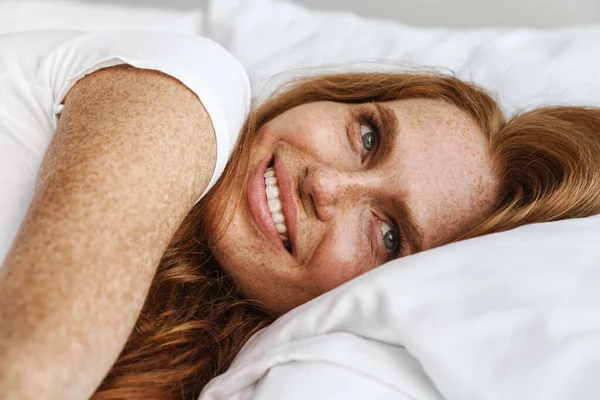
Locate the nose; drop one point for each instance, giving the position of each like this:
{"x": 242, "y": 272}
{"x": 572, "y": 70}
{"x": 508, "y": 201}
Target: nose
{"x": 332, "y": 190}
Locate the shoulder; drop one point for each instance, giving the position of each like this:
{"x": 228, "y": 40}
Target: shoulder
{"x": 128, "y": 92}
{"x": 201, "y": 64}
{"x": 138, "y": 141}
{"x": 135, "y": 118}
{"x": 208, "y": 70}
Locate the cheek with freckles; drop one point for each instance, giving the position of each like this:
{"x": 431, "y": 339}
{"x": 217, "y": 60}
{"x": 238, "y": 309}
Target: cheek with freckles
{"x": 313, "y": 129}
{"x": 338, "y": 259}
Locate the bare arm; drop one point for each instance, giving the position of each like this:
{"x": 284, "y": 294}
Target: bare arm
{"x": 132, "y": 152}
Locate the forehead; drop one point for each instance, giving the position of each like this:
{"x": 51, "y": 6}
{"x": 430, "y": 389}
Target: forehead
{"x": 432, "y": 125}
{"x": 441, "y": 166}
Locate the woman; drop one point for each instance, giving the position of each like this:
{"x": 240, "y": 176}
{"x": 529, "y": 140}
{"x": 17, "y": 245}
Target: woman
{"x": 542, "y": 165}
{"x": 365, "y": 168}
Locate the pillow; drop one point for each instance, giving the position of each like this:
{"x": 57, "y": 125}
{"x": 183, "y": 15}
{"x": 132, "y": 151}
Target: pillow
{"x": 511, "y": 315}
{"x": 53, "y": 15}
{"x": 276, "y": 40}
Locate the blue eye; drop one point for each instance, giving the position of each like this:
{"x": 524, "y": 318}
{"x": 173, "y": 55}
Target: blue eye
{"x": 390, "y": 237}
{"x": 370, "y": 140}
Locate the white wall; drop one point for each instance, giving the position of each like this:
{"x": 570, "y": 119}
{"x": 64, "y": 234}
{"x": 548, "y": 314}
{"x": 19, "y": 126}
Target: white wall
{"x": 458, "y": 13}
{"x": 464, "y": 13}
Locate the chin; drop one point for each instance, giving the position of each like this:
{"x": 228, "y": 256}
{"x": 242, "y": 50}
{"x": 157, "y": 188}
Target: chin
{"x": 255, "y": 273}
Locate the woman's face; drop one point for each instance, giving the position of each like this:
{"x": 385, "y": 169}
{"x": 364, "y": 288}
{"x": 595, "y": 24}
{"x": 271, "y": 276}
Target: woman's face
{"x": 356, "y": 185}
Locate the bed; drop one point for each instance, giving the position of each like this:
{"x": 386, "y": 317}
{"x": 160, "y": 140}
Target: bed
{"x": 513, "y": 315}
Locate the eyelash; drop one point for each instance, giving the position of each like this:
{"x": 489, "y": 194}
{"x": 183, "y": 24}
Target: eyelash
{"x": 369, "y": 118}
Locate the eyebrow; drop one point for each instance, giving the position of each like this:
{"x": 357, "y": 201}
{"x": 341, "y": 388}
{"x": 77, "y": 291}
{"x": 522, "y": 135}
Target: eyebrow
{"x": 389, "y": 135}
{"x": 390, "y": 129}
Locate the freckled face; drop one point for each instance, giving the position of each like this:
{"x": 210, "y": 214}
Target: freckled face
{"x": 356, "y": 183}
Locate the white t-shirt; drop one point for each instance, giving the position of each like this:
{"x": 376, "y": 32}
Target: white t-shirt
{"x": 37, "y": 69}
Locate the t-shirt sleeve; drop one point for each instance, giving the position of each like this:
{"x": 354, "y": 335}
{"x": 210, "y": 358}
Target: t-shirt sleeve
{"x": 206, "y": 68}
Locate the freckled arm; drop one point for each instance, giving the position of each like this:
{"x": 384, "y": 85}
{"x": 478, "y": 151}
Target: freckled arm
{"x": 132, "y": 152}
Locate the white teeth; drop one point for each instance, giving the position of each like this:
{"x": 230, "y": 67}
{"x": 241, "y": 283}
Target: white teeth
{"x": 274, "y": 205}
{"x": 281, "y": 228}
{"x": 278, "y": 218}
{"x": 272, "y": 192}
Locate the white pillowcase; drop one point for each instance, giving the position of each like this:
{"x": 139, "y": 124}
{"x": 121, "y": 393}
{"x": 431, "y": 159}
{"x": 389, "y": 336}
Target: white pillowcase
{"x": 16, "y": 16}
{"x": 512, "y": 315}
{"x": 525, "y": 67}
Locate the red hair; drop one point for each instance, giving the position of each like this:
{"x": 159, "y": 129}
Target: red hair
{"x": 195, "y": 320}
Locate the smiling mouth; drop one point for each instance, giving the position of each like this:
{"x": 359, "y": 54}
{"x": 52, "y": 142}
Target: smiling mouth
{"x": 275, "y": 207}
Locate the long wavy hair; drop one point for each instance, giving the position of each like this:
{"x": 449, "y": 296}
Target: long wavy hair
{"x": 195, "y": 319}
